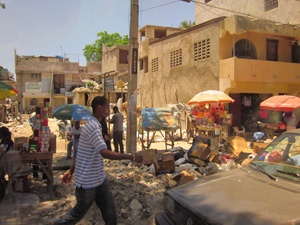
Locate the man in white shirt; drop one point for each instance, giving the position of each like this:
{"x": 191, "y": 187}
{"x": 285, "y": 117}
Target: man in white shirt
{"x": 76, "y": 130}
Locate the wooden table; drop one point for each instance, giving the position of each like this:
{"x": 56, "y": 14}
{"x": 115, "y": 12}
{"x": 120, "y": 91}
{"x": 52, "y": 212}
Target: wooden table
{"x": 209, "y": 131}
{"x": 168, "y": 137}
{"x": 13, "y": 161}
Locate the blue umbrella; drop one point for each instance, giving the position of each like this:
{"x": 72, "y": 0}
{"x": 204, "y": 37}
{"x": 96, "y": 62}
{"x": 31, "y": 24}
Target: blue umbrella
{"x": 72, "y": 111}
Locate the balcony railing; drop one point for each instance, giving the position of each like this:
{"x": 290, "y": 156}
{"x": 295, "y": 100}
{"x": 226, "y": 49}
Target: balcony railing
{"x": 252, "y": 70}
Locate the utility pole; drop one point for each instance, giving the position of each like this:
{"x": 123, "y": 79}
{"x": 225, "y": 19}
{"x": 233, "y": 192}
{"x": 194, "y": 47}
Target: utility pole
{"x": 131, "y": 142}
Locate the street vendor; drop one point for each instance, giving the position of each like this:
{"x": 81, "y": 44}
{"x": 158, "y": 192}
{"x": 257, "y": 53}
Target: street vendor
{"x": 290, "y": 120}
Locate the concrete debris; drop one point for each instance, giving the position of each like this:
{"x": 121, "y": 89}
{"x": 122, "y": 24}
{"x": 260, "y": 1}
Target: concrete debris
{"x": 138, "y": 189}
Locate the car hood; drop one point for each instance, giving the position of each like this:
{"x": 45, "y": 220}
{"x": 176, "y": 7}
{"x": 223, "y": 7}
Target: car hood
{"x": 241, "y": 196}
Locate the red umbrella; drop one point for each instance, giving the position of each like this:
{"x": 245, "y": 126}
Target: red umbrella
{"x": 286, "y": 103}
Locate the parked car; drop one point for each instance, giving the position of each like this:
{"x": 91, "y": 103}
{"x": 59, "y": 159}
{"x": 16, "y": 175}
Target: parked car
{"x": 266, "y": 191}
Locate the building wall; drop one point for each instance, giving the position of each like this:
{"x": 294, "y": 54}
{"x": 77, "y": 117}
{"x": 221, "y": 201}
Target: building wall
{"x": 242, "y": 75}
{"x": 259, "y": 40}
{"x": 157, "y": 89}
{"x": 47, "y": 67}
{"x": 109, "y": 60}
{"x": 221, "y": 71}
{"x": 288, "y": 11}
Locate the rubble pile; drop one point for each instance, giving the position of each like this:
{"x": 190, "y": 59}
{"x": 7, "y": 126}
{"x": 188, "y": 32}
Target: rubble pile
{"x": 138, "y": 188}
{"x": 138, "y": 196}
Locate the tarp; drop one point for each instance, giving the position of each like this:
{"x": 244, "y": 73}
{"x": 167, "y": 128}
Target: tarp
{"x": 158, "y": 119}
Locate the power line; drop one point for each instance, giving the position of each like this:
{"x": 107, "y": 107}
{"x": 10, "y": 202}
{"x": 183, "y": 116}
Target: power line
{"x": 154, "y": 7}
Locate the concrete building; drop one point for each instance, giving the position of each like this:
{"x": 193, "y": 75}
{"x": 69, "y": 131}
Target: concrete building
{"x": 115, "y": 71}
{"x": 242, "y": 56}
{"x": 49, "y": 80}
{"x": 280, "y": 11}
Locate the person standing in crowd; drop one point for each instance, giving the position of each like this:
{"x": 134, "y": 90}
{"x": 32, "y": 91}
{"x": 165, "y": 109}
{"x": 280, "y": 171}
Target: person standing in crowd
{"x": 117, "y": 121}
{"x": 69, "y": 136}
{"x": 88, "y": 167}
{"x": 5, "y": 136}
{"x": 290, "y": 120}
{"x": 105, "y": 134}
{"x": 76, "y": 130}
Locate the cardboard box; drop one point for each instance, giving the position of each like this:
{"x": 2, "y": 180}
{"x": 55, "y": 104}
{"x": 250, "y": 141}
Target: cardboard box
{"x": 258, "y": 146}
{"x": 148, "y": 156}
{"x": 20, "y": 183}
{"x": 19, "y": 141}
{"x": 183, "y": 177}
{"x": 164, "y": 163}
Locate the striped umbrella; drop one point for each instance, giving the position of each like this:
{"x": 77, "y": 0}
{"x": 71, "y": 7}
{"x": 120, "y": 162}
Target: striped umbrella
{"x": 7, "y": 90}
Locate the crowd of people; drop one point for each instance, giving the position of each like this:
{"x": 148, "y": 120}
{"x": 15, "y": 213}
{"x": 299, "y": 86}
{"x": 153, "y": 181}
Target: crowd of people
{"x": 73, "y": 131}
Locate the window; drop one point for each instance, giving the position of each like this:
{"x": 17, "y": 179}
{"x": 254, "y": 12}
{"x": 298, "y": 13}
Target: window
{"x": 272, "y": 50}
{"x": 154, "y": 63}
{"x": 146, "y": 65}
{"x": 59, "y": 82}
{"x": 244, "y": 48}
{"x": 33, "y": 101}
{"x": 123, "y": 55}
{"x": 202, "y": 50}
{"x": 36, "y": 77}
{"x": 141, "y": 63}
{"x": 176, "y": 58}
{"x": 270, "y": 4}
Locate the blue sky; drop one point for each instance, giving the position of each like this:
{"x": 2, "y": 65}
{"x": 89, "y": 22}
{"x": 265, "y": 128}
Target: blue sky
{"x": 57, "y": 27}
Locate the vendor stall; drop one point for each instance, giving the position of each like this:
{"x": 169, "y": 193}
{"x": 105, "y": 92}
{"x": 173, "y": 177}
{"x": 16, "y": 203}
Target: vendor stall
{"x": 158, "y": 119}
{"x": 31, "y": 154}
{"x": 17, "y": 167}
{"x": 208, "y": 115}
{"x": 210, "y": 120}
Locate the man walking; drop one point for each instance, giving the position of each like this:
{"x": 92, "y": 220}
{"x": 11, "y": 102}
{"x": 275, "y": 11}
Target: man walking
{"x": 90, "y": 179}
{"x": 117, "y": 121}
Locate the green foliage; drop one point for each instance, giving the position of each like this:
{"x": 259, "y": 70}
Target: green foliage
{"x": 187, "y": 24}
{"x": 2, "y": 5}
{"x": 93, "y": 52}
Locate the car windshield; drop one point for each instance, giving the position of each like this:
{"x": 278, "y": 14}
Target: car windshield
{"x": 281, "y": 157}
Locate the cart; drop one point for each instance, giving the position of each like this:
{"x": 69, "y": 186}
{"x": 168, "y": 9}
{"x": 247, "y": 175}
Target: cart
{"x": 158, "y": 120}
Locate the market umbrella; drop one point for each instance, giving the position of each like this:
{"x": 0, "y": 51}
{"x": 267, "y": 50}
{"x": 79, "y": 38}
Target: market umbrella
{"x": 7, "y": 90}
{"x": 286, "y": 103}
{"x": 71, "y": 111}
{"x": 210, "y": 96}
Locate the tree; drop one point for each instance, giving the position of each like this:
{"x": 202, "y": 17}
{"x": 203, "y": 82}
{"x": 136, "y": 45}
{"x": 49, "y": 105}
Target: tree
{"x": 93, "y": 52}
{"x": 186, "y": 24}
{"x": 2, "y": 5}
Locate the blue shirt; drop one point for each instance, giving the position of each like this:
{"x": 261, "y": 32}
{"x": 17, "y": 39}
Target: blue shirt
{"x": 89, "y": 167}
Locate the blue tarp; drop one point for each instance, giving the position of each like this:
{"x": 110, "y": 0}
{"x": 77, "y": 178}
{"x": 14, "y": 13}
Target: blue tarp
{"x": 158, "y": 119}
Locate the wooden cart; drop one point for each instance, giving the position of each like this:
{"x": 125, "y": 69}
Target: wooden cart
{"x": 158, "y": 120}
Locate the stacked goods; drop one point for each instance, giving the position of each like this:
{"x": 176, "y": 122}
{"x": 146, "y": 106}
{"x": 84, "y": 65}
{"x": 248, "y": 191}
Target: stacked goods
{"x": 41, "y": 141}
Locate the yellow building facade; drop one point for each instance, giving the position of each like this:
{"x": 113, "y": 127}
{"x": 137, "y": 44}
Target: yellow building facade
{"x": 238, "y": 55}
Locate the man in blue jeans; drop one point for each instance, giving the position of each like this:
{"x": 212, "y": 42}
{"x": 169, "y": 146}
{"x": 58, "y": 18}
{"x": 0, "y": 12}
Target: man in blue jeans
{"x": 88, "y": 168}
